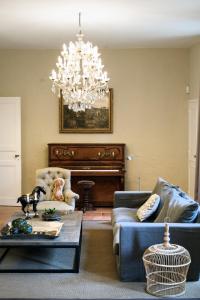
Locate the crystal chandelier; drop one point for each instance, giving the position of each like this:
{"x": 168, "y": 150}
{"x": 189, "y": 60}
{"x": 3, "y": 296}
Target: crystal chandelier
{"x": 80, "y": 76}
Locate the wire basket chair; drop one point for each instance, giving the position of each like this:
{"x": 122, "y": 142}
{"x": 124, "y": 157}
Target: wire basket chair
{"x": 166, "y": 268}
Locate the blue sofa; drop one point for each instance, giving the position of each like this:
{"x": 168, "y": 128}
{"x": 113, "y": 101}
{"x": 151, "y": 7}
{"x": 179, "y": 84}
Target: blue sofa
{"x": 132, "y": 237}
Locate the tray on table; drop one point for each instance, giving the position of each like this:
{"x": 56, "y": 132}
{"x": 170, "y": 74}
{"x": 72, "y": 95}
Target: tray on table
{"x": 41, "y": 230}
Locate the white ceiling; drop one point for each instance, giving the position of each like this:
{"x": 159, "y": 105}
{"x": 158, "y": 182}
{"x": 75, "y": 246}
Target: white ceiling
{"x": 46, "y": 24}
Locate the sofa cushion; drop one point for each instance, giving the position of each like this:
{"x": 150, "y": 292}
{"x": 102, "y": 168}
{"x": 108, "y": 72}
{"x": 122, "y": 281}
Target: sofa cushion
{"x": 148, "y": 208}
{"x": 178, "y": 209}
{"x": 124, "y": 214}
{"x": 197, "y": 220}
{"x": 120, "y": 215}
{"x": 116, "y": 229}
{"x": 163, "y": 188}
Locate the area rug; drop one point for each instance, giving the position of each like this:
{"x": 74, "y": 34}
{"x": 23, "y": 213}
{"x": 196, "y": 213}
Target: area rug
{"x": 97, "y": 279}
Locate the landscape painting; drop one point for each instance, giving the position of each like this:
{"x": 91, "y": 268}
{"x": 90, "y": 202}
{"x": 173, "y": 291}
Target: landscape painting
{"x": 98, "y": 119}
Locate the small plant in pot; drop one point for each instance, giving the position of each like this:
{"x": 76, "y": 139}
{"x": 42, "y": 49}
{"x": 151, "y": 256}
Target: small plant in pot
{"x": 49, "y": 211}
{"x": 50, "y": 214}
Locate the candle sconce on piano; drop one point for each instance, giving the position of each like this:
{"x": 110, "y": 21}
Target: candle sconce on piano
{"x": 106, "y": 154}
{"x": 65, "y": 153}
{"x": 68, "y": 153}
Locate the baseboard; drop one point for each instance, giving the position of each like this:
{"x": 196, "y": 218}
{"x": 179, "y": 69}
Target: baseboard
{"x": 9, "y": 202}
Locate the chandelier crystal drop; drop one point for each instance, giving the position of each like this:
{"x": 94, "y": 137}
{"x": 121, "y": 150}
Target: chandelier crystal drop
{"x": 80, "y": 76}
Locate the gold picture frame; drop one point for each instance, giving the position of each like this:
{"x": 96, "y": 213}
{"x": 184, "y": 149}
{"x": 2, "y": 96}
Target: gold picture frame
{"x": 98, "y": 119}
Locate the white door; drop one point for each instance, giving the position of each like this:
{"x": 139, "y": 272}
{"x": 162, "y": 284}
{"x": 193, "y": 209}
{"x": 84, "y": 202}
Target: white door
{"x": 192, "y": 144}
{"x": 10, "y": 150}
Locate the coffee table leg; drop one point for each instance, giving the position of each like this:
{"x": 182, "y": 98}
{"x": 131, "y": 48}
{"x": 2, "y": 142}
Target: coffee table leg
{"x": 77, "y": 260}
{"x": 4, "y": 254}
{"x": 78, "y": 254}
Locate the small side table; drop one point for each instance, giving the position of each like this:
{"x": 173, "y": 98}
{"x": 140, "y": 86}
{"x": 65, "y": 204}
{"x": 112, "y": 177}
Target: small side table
{"x": 86, "y": 202}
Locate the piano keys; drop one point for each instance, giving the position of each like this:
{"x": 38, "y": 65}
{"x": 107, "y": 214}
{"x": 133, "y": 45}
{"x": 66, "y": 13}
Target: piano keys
{"x": 102, "y": 163}
{"x": 91, "y": 170}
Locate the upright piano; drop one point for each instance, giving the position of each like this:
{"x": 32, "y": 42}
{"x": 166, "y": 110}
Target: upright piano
{"x": 102, "y": 163}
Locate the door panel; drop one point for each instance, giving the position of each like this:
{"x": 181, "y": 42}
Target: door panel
{"x": 10, "y": 150}
{"x": 192, "y": 144}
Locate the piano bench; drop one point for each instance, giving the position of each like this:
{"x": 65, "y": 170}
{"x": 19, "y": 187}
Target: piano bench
{"x": 86, "y": 201}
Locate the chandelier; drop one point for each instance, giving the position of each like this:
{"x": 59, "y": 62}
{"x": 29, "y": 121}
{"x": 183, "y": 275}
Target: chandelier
{"x": 80, "y": 76}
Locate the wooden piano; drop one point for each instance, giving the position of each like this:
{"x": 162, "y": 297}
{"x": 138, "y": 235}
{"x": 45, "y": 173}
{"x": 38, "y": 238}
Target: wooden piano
{"x": 102, "y": 163}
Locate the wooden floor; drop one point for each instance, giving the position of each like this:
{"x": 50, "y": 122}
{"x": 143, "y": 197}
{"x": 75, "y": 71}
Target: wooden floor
{"x": 99, "y": 214}
{"x": 5, "y": 212}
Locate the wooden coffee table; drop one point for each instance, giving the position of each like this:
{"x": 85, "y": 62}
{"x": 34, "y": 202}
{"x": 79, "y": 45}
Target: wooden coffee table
{"x": 39, "y": 254}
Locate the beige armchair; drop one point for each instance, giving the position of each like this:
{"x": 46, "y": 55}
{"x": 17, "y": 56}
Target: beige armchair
{"x": 45, "y": 178}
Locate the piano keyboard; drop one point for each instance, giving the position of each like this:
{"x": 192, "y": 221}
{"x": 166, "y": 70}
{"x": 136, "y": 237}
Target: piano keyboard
{"x": 94, "y": 170}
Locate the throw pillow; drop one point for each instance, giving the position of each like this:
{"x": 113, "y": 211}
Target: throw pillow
{"x": 148, "y": 208}
{"x": 162, "y": 188}
{"x": 57, "y": 192}
{"x": 178, "y": 209}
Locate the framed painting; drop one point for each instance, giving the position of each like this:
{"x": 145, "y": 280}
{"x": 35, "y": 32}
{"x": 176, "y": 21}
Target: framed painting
{"x": 98, "y": 119}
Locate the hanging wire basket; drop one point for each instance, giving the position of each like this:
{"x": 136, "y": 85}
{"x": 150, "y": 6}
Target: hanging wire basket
{"x": 166, "y": 268}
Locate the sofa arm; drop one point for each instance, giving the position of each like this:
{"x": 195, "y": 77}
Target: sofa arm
{"x": 131, "y": 199}
{"x": 135, "y": 238}
{"x": 71, "y": 197}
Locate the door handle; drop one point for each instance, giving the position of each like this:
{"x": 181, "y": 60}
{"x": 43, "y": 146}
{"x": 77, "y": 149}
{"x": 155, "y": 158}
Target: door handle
{"x": 17, "y": 155}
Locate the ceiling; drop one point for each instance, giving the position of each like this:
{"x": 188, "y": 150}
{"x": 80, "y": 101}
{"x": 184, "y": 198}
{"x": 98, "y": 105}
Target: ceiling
{"x": 46, "y": 24}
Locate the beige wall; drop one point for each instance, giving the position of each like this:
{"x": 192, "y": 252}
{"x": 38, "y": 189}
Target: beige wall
{"x": 150, "y": 110}
{"x": 194, "y": 72}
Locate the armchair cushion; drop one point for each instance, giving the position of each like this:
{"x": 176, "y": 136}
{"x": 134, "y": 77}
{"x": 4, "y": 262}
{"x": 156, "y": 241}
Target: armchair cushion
{"x": 60, "y": 206}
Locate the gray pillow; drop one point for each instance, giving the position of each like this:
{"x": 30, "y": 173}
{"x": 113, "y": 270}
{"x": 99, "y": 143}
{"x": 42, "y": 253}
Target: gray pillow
{"x": 197, "y": 220}
{"x": 162, "y": 188}
{"x": 178, "y": 209}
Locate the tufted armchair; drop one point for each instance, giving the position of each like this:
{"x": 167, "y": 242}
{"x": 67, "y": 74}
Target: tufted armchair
{"x": 45, "y": 178}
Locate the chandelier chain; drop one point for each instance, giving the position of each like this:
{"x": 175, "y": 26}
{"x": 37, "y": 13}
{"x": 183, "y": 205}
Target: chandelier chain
{"x": 79, "y": 22}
